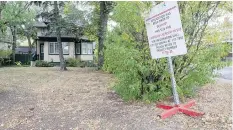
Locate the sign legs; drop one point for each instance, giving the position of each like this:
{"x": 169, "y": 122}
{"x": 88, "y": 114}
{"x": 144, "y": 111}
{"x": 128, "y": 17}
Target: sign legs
{"x": 173, "y": 80}
{"x": 184, "y": 108}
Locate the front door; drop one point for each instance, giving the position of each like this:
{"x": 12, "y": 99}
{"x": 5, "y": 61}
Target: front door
{"x": 42, "y": 51}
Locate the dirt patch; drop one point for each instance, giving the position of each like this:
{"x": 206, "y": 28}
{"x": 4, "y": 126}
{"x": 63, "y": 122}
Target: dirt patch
{"x": 45, "y": 98}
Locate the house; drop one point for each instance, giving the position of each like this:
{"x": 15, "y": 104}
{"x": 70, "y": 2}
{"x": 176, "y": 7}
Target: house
{"x": 23, "y": 50}
{"x": 47, "y": 46}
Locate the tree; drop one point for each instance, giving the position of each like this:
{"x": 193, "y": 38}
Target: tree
{"x": 57, "y": 20}
{"x": 105, "y": 9}
{"x": 26, "y": 29}
{"x": 12, "y": 16}
{"x": 2, "y": 5}
{"x": 76, "y": 21}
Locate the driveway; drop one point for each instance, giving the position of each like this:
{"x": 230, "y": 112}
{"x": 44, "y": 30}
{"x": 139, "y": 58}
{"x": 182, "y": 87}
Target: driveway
{"x": 226, "y": 73}
{"x": 81, "y": 99}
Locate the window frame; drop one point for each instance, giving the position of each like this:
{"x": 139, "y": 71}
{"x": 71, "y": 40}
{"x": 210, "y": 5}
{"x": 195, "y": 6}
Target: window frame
{"x": 87, "y": 43}
{"x": 76, "y": 46}
{"x": 41, "y": 49}
{"x": 54, "y": 48}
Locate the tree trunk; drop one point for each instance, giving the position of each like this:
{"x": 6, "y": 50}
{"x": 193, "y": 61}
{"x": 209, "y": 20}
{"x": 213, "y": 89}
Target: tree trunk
{"x": 2, "y": 4}
{"x": 13, "y": 32}
{"x": 102, "y": 32}
{"x": 58, "y": 33}
{"x": 29, "y": 46}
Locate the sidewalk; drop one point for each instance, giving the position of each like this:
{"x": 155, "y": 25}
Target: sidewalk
{"x": 225, "y": 73}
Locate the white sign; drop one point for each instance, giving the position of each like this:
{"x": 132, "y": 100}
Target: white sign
{"x": 164, "y": 31}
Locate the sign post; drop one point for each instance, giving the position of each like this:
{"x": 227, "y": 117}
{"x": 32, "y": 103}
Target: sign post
{"x": 173, "y": 80}
{"x": 166, "y": 39}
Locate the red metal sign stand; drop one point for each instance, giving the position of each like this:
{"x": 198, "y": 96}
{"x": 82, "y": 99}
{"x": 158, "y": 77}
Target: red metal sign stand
{"x": 184, "y": 108}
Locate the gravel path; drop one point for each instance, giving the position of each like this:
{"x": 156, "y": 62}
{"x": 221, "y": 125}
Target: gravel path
{"x": 80, "y": 99}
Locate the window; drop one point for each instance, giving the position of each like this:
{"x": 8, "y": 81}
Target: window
{"x": 65, "y": 47}
{"x": 87, "y": 48}
{"x": 77, "y": 48}
{"x": 53, "y": 48}
{"x": 90, "y": 48}
{"x": 42, "y": 48}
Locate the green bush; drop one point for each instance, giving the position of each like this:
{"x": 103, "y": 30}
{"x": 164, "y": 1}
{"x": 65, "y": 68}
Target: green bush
{"x": 18, "y": 63}
{"x": 72, "y": 62}
{"x": 133, "y": 75}
{"x": 4, "y": 56}
{"x": 140, "y": 77}
{"x": 40, "y": 63}
{"x": 1, "y": 61}
{"x": 90, "y": 64}
{"x": 27, "y": 63}
{"x": 82, "y": 64}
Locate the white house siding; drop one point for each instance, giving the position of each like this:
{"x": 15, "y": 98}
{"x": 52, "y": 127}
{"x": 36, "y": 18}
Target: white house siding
{"x": 55, "y": 58}
{"x": 42, "y": 32}
{"x": 86, "y": 57}
{"x": 38, "y": 47}
{"x": 78, "y": 57}
{"x": 46, "y": 52}
{"x": 72, "y": 50}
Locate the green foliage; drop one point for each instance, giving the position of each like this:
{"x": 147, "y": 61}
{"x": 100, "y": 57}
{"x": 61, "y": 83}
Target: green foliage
{"x": 5, "y": 53}
{"x": 126, "y": 62}
{"x": 40, "y": 63}
{"x": 82, "y": 64}
{"x": 90, "y": 64}
{"x": 17, "y": 13}
{"x": 18, "y": 63}
{"x": 127, "y": 53}
{"x": 5, "y": 57}
{"x": 72, "y": 62}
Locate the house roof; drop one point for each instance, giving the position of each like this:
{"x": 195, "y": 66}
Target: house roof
{"x": 63, "y": 36}
{"x": 52, "y": 35}
{"x": 63, "y": 39}
{"x": 39, "y": 24}
{"x": 23, "y": 49}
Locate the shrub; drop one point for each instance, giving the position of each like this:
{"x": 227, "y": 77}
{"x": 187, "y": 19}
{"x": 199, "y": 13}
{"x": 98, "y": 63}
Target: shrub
{"x": 140, "y": 77}
{"x": 40, "y": 63}
{"x": 4, "y": 57}
{"x": 1, "y": 61}
{"x": 72, "y": 62}
{"x": 27, "y": 63}
{"x": 82, "y": 64}
{"x": 18, "y": 63}
{"x": 90, "y": 64}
